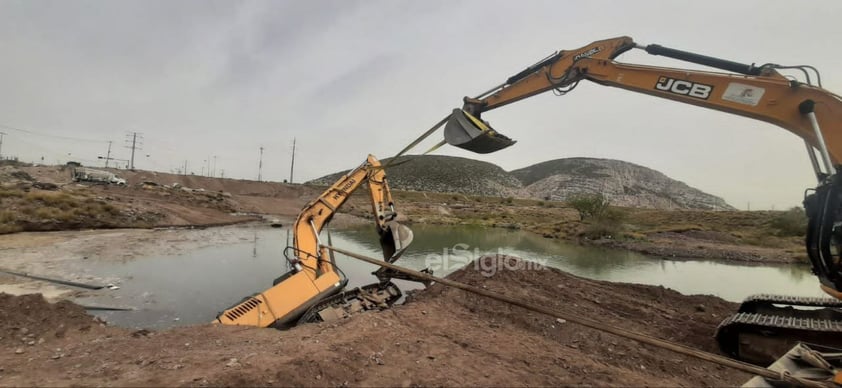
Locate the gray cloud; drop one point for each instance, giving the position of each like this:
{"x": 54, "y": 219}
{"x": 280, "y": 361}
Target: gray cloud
{"x": 348, "y": 78}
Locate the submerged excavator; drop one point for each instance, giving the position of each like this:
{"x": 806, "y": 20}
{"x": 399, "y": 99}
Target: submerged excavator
{"x": 313, "y": 290}
{"x": 766, "y": 326}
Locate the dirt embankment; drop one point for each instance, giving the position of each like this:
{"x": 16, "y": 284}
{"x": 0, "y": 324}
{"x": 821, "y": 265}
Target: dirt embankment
{"x": 45, "y": 199}
{"x": 441, "y": 337}
{"x": 153, "y": 199}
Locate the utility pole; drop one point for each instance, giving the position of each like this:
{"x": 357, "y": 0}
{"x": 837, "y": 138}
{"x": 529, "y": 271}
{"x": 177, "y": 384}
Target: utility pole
{"x": 292, "y": 165}
{"x": 260, "y": 165}
{"x": 135, "y": 139}
{"x": 108, "y": 155}
{"x": 1, "y": 144}
{"x": 213, "y": 174}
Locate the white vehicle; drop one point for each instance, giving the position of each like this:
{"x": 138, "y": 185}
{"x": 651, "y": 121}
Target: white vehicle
{"x": 82, "y": 174}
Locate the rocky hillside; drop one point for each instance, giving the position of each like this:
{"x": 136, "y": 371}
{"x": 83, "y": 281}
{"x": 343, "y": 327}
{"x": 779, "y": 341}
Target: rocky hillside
{"x": 445, "y": 174}
{"x": 625, "y": 184}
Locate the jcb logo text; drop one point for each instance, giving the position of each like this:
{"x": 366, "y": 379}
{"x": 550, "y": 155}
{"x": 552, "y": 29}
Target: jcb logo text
{"x": 684, "y": 88}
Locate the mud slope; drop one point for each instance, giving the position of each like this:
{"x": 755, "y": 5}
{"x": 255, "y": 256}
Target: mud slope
{"x": 442, "y": 337}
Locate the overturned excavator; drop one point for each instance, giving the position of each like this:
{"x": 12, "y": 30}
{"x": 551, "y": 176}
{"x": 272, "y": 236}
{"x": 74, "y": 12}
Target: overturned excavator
{"x": 314, "y": 288}
{"x": 766, "y": 326}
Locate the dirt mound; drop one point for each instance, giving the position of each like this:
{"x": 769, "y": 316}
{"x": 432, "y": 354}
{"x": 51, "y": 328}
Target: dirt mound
{"x": 655, "y": 310}
{"x": 442, "y": 336}
{"x": 29, "y": 319}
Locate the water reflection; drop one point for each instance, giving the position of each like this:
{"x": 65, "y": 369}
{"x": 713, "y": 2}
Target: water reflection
{"x": 731, "y": 281}
{"x": 194, "y": 287}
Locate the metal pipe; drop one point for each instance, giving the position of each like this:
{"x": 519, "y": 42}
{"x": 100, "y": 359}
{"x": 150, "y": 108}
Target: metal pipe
{"x": 318, "y": 240}
{"x": 807, "y": 108}
{"x": 575, "y": 318}
{"x": 56, "y": 281}
{"x": 724, "y": 64}
{"x": 811, "y": 152}
{"x": 489, "y": 91}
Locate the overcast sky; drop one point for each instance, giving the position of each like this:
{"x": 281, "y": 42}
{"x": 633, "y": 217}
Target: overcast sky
{"x": 349, "y": 78}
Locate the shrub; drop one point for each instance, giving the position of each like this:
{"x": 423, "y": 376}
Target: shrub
{"x": 613, "y": 214}
{"x": 11, "y": 193}
{"x": 792, "y": 222}
{"x": 589, "y": 205}
{"x": 7, "y": 217}
{"x": 602, "y": 229}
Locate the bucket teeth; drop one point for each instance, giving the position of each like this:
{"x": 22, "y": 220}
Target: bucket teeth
{"x": 465, "y": 131}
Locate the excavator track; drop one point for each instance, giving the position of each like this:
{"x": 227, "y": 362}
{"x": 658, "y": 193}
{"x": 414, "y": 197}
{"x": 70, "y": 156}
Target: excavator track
{"x": 765, "y": 299}
{"x": 767, "y": 326}
{"x": 342, "y": 305}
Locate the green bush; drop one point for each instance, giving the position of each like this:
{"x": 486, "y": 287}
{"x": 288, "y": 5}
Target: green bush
{"x": 792, "y": 222}
{"x": 589, "y": 205}
{"x": 602, "y": 229}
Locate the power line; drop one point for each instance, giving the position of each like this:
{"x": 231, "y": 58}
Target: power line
{"x": 108, "y": 155}
{"x": 135, "y": 138}
{"x": 260, "y": 165}
{"x": 292, "y": 164}
{"x": 31, "y": 132}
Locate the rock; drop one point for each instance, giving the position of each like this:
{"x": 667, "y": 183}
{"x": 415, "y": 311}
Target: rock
{"x": 19, "y": 351}
{"x": 559, "y": 320}
{"x": 45, "y": 186}
{"x": 377, "y": 358}
{"x": 700, "y": 308}
{"x": 233, "y": 363}
{"x": 24, "y": 331}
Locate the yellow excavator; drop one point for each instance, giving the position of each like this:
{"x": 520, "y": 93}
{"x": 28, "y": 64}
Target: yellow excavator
{"x": 314, "y": 288}
{"x": 766, "y": 326}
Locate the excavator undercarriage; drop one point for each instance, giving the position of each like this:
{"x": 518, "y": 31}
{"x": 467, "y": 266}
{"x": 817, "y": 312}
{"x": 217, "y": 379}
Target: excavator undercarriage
{"x": 767, "y": 326}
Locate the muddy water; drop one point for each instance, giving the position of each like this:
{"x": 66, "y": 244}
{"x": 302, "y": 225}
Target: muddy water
{"x": 194, "y": 287}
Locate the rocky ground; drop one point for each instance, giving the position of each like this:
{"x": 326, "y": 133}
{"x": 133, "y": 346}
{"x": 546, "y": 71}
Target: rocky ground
{"x": 441, "y": 337}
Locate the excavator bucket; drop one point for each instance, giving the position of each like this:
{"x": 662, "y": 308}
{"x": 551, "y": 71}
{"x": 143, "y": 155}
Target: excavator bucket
{"x": 395, "y": 240}
{"x": 465, "y": 131}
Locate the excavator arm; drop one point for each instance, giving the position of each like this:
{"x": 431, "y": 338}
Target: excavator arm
{"x": 314, "y": 275}
{"x": 766, "y": 326}
{"x": 758, "y": 92}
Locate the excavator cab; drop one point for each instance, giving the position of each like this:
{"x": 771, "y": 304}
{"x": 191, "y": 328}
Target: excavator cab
{"x": 465, "y": 131}
{"x": 824, "y": 234}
